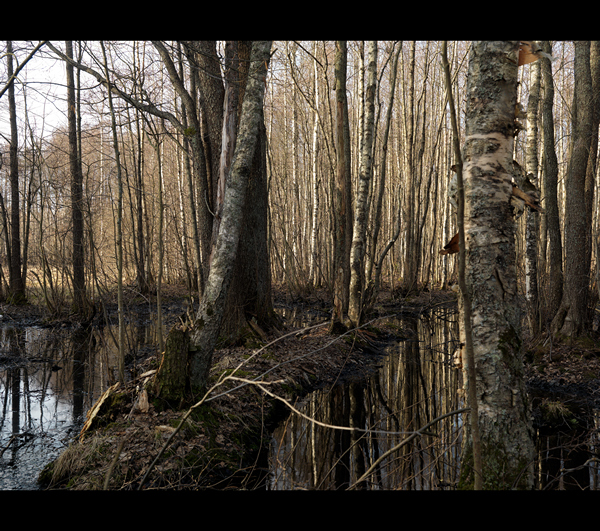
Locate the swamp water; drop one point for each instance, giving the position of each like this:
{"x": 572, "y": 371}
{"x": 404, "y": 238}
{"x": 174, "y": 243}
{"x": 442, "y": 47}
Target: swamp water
{"x": 49, "y": 378}
{"x": 416, "y": 384}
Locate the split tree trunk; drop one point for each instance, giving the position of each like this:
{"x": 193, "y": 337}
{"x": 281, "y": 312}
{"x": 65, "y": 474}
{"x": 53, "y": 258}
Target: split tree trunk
{"x": 490, "y": 272}
{"x": 206, "y": 328}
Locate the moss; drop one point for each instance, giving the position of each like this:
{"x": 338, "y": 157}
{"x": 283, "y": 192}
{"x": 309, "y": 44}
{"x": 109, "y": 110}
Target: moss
{"x": 500, "y": 472}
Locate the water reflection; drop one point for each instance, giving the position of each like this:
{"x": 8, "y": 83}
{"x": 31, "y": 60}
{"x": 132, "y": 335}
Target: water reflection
{"x": 417, "y": 384}
{"x": 48, "y": 380}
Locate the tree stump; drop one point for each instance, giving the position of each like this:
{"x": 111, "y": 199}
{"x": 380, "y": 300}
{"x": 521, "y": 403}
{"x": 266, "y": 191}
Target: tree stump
{"x": 172, "y": 379}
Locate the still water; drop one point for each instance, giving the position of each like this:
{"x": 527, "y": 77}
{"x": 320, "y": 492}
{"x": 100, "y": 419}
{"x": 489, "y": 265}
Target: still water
{"x": 49, "y": 378}
{"x": 417, "y": 383}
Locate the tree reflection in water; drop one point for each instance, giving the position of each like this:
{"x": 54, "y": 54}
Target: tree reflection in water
{"x": 417, "y": 383}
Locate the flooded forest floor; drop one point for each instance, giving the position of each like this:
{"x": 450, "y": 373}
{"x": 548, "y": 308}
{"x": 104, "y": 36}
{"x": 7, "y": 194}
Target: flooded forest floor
{"x": 222, "y": 444}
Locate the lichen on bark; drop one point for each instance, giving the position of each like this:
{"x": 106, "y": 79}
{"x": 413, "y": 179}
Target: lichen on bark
{"x": 490, "y": 268}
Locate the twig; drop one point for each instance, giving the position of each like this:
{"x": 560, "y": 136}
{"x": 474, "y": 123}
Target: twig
{"x": 113, "y": 464}
{"x": 412, "y": 436}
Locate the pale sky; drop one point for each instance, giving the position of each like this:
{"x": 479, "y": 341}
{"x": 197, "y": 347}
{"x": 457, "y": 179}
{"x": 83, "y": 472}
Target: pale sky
{"x": 44, "y": 80}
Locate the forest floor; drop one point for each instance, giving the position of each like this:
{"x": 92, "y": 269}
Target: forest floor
{"x": 222, "y": 443}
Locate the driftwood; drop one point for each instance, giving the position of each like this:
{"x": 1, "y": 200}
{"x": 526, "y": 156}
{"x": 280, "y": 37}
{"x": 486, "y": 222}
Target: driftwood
{"x": 98, "y": 408}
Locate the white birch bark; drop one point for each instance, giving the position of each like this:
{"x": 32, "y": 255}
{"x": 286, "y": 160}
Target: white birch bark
{"x": 490, "y": 268}
{"x": 357, "y": 251}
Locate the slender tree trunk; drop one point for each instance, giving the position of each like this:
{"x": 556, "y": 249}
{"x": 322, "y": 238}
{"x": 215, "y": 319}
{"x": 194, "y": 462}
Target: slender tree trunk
{"x": 490, "y": 272}
{"x": 315, "y": 176}
{"x": 80, "y": 305}
{"x": 361, "y": 213}
{"x": 531, "y": 221}
{"x": 409, "y": 277}
{"x": 374, "y": 279}
{"x": 16, "y": 286}
{"x": 342, "y": 199}
{"x": 119, "y": 235}
{"x": 552, "y": 216}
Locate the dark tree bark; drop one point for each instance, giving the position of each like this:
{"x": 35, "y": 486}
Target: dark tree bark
{"x": 16, "y": 282}
{"x": 342, "y": 198}
{"x": 550, "y": 169}
{"x": 578, "y": 223}
{"x": 532, "y": 225}
{"x": 80, "y": 305}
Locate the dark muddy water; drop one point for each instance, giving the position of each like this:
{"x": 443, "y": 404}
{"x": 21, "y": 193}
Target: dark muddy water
{"x": 417, "y": 383}
{"x": 48, "y": 380}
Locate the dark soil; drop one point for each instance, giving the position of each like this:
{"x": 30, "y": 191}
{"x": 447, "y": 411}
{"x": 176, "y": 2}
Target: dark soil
{"x": 222, "y": 443}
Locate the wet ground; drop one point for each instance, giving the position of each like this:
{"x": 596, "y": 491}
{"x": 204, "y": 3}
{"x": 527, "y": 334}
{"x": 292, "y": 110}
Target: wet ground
{"x": 224, "y": 444}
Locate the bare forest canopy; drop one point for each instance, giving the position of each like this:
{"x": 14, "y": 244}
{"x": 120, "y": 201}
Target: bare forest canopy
{"x": 153, "y": 87}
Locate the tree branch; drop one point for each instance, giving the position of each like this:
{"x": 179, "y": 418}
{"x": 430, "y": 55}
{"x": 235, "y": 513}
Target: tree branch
{"x": 147, "y": 107}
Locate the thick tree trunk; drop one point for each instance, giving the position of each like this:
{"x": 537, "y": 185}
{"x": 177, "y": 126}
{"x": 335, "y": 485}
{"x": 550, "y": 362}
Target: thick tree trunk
{"x": 577, "y": 222}
{"x": 207, "y": 326}
{"x": 490, "y": 272}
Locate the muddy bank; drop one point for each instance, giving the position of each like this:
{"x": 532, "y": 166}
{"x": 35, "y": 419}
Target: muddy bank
{"x": 220, "y": 445}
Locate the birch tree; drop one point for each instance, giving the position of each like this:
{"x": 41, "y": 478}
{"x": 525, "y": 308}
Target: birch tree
{"x": 361, "y": 213}
{"x": 490, "y": 273}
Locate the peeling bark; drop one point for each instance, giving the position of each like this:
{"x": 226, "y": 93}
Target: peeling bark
{"x": 490, "y": 272}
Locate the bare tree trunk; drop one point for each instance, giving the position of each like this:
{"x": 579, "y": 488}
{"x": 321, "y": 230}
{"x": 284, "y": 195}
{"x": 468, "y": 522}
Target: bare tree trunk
{"x": 550, "y": 168}
{"x": 342, "y": 200}
{"x": 361, "y": 213}
{"x": 206, "y": 328}
{"x": 16, "y": 286}
{"x": 531, "y": 227}
{"x": 490, "y": 270}
{"x": 119, "y": 235}
{"x": 574, "y": 306}
{"x": 374, "y": 281}
{"x": 315, "y": 176}
{"x": 80, "y": 305}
